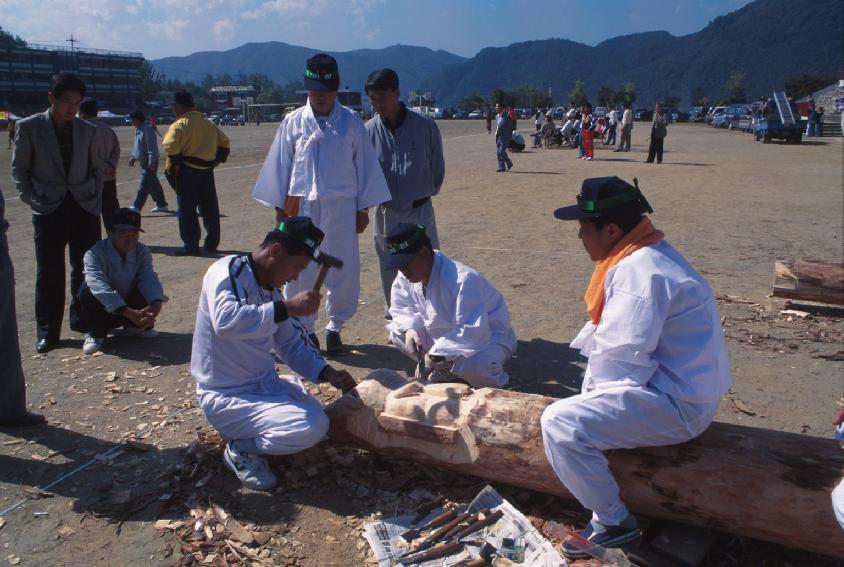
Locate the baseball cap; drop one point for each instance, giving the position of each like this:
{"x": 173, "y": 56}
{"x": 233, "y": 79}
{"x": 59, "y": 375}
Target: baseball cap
{"x": 301, "y": 230}
{"x": 126, "y": 219}
{"x": 403, "y": 242}
{"x": 321, "y": 73}
{"x": 600, "y": 195}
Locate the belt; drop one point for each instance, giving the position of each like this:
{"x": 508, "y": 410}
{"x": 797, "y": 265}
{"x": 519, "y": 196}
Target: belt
{"x": 419, "y": 202}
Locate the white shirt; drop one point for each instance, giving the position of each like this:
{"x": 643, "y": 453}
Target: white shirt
{"x": 236, "y": 333}
{"x": 627, "y": 118}
{"x": 321, "y": 157}
{"x": 458, "y": 313}
{"x": 660, "y": 327}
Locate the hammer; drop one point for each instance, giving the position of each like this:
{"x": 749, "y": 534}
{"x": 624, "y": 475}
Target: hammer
{"x": 325, "y": 262}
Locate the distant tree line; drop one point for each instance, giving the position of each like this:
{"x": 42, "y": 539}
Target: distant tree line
{"x": 9, "y": 40}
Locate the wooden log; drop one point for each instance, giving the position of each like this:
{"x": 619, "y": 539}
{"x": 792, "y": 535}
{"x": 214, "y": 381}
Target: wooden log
{"x": 809, "y": 280}
{"x": 764, "y": 484}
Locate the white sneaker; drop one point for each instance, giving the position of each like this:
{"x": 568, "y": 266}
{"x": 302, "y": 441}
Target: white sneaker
{"x": 133, "y": 208}
{"x": 251, "y": 470}
{"x": 587, "y": 159}
{"x": 160, "y": 210}
{"x": 92, "y": 344}
{"x": 135, "y": 332}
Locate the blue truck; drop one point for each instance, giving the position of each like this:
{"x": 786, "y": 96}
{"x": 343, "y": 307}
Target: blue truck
{"x": 779, "y": 120}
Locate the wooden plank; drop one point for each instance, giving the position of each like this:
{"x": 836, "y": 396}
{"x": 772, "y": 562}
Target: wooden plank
{"x": 809, "y": 280}
{"x": 764, "y": 484}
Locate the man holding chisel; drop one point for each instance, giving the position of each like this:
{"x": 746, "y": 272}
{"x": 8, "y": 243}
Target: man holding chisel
{"x": 242, "y": 320}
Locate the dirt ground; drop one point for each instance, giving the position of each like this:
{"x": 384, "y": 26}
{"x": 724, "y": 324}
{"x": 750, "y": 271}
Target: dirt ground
{"x": 730, "y": 205}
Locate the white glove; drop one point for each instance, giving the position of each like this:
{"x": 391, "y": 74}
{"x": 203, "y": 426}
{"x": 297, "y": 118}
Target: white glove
{"x": 412, "y": 340}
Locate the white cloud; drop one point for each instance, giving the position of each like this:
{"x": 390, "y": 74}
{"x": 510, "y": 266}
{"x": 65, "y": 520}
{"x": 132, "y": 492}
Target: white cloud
{"x": 223, "y": 30}
{"x": 171, "y": 29}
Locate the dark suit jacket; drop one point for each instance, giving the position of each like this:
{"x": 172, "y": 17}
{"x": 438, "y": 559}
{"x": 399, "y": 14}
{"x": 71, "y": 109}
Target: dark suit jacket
{"x": 38, "y": 170}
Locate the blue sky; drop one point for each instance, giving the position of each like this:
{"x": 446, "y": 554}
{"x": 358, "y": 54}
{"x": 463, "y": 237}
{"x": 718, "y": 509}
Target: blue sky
{"x": 160, "y": 28}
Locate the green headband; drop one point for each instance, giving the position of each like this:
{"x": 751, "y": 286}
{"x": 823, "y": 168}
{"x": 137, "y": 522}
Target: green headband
{"x": 597, "y": 205}
{"x": 311, "y": 75}
{"x": 399, "y": 247}
{"x": 297, "y": 235}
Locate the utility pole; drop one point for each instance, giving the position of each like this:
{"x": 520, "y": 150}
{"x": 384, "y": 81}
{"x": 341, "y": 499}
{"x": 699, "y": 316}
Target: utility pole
{"x": 73, "y": 41}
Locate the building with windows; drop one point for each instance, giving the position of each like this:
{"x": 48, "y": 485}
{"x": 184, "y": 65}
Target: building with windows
{"x": 112, "y": 77}
{"x": 225, "y": 96}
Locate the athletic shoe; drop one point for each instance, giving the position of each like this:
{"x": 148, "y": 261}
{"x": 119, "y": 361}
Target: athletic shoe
{"x": 587, "y": 159}
{"x": 251, "y": 470}
{"x": 509, "y": 167}
{"x": 611, "y": 537}
{"x": 130, "y": 331}
{"x": 92, "y": 344}
{"x": 163, "y": 209}
{"x": 499, "y": 170}
{"x": 133, "y": 208}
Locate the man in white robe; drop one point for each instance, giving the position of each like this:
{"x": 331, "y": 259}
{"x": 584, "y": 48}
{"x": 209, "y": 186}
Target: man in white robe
{"x": 446, "y": 314}
{"x": 241, "y": 321}
{"x": 657, "y": 360}
{"x": 322, "y": 165}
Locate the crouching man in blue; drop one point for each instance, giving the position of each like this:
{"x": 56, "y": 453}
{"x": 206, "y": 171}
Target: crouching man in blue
{"x": 447, "y": 312}
{"x": 657, "y": 361}
{"x": 242, "y": 319}
{"x": 121, "y": 289}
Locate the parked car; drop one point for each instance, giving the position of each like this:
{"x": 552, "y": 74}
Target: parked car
{"x": 696, "y": 114}
{"x": 719, "y": 117}
{"x": 459, "y": 115}
{"x": 770, "y": 124}
{"x": 643, "y": 114}
{"x": 711, "y": 115}
{"x": 435, "y": 113}
{"x": 739, "y": 117}
{"x": 476, "y": 114}
{"x": 166, "y": 118}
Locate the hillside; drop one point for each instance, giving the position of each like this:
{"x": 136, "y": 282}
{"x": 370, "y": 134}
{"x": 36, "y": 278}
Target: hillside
{"x": 283, "y": 62}
{"x": 767, "y": 40}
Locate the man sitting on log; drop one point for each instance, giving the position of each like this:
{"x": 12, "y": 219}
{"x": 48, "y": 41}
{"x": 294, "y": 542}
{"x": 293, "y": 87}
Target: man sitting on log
{"x": 447, "y": 313}
{"x": 657, "y": 360}
{"x": 242, "y": 319}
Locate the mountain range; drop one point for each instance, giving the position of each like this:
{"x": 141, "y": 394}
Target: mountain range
{"x": 768, "y": 41}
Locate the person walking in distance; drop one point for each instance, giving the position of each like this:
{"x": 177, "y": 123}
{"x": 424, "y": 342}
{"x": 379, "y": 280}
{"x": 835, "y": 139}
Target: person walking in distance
{"x": 145, "y": 154}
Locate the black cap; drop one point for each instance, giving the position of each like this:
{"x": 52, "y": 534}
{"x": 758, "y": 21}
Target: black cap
{"x": 321, "y": 73}
{"x": 382, "y": 79}
{"x": 301, "y": 230}
{"x": 126, "y": 219}
{"x": 599, "y": 195}
{"x": 403, "y": 242}
{"x": 137, "y": 115}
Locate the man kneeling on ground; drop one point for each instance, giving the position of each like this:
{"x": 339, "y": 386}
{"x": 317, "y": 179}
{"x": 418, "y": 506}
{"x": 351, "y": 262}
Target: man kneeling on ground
{"x": 242, "y": 319}
{"x": 121, "y": 287}
{"x": 657, "y": 361}
{"x": 446, "y": 312}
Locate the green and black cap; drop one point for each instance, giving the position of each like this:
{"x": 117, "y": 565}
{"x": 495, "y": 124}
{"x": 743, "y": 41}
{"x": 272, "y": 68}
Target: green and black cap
{"x": 321, "y": 73}
{"x": 601, "y": 195}
{"x": 301, "y": 230}
{"x": 403, "y": 242}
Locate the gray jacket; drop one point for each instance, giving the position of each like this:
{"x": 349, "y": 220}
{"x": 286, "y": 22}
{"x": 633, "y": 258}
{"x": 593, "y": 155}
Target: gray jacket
{"x": 38, "y": 171}
{"x": 411, "y": 158}
{"x": 111, "y": 278}
{"x": 106, "y": 148}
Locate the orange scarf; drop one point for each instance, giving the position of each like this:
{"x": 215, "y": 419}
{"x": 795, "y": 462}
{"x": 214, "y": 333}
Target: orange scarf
{"x": 644, "y": 234}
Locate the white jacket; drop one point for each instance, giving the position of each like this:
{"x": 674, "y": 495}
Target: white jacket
{"x": 458, "y": 314}
{"x": 236, "y": 332}
{"x": 307, "y": 161}
{"x": 660, "y": 327}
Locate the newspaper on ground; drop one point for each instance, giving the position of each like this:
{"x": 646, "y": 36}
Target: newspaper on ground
{"x": 513, "y": 536}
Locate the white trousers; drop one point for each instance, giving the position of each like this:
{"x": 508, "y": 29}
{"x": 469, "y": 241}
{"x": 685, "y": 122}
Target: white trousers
{"x": 576, "y": 431}
{"x": 481, "y": 370}
{"x": 279, "y": 415}
{"x": 337, "y": 219}
{"x": 384, "y": 220}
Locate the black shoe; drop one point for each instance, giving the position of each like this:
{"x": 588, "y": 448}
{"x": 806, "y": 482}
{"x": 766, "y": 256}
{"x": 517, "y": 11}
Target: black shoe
{"x": 45, "y": 345}
{"x": 509, "y": 167}
{"x": 209, "y": 251}
{"x": 26, "y": 419}
{"x": 499, "y": 170}
{"x": 187, "y": 252}
{"x": 314, "y": 340}
{"x": 610, "y": 537}
{"x": 333, "y": 344}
